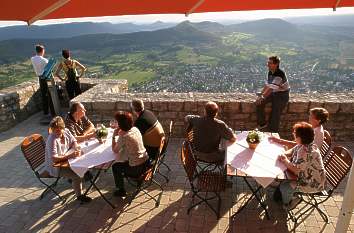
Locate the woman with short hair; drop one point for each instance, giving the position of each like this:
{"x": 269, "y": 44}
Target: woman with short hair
{"x": 131, "y": 157}
{"x": 61, "y": 146}
{"x": 305, "y": 162}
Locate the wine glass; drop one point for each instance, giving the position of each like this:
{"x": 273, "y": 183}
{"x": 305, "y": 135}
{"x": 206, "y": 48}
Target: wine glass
{"x": 113, "y": 124}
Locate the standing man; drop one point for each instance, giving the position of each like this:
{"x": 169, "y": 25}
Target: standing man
{"x": 275, "y": 91}
{"x": 39, "y": 63}
{"x": 149, "y": 127}
{"x": 208, "y": 132}
{"x": 78, "y": 123}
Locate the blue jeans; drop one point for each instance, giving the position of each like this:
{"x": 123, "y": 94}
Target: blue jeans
{"x": 287, "y": 192}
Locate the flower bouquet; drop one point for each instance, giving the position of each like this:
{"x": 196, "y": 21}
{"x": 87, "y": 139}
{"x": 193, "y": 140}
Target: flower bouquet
{"x": 101, "y": 133}
{"x": 253, "y": 139}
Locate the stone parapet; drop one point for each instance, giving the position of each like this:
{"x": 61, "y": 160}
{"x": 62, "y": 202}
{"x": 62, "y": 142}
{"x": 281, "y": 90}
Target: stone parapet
{"x": 236, "y": 109}
{"x": 19, "y": 102}
{"x": 103, "y": 97}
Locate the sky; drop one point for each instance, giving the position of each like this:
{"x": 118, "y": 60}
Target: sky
{"x": 226, "y": 16}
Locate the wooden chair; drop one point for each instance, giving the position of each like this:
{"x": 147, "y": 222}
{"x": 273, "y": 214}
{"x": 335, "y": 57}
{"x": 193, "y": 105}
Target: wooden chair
{"x": 147, "y": 179}
{"x": 164, "y": 152}
{"x": 33, "y": 149}
{"x": 337, "y": 167}
{"x": 326, "y": 146}
{"x": 205, "y": 181}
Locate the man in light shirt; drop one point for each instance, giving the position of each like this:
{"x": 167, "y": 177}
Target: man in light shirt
{"x": 275, "y": 91}
{"x": 39, "y": 63}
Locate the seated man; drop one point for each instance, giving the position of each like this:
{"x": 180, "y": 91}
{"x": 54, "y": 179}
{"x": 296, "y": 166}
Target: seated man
{"x": 78, "y": 123}
{"x": 208, "y": 132}
{"x": 149, "y": 127}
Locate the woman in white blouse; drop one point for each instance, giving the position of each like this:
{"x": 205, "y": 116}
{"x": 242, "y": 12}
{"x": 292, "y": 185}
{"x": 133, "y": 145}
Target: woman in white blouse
{"x": 317, "y": 117}
{"x": 61, "y": 146}
{"x": 131, "y": 157}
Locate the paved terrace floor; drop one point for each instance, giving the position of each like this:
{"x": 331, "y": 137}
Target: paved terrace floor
{"x": 22, "y": 211}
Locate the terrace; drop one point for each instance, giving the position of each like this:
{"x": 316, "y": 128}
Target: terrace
{"x": 22, "y": 211}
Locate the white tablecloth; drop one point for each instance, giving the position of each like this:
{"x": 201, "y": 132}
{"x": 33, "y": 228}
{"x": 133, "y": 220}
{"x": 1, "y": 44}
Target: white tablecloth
{"x": 260, "y": 163}
{"x": 94, "y": 154}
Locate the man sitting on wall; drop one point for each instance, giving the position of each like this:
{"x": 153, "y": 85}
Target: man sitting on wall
{"x": 149, "y": 127}
{"x": 208, "y": 132}
{"x": 78, "y": 123}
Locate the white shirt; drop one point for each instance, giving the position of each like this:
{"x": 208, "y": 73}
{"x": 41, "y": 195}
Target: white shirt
{"x": 39, "y": 62}
{"x": 319, "y": 136}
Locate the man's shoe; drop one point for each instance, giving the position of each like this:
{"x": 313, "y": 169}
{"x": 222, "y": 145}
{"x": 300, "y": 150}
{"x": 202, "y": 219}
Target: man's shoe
{"x": 120, "y": 193}
{"x": 84, "y": 199}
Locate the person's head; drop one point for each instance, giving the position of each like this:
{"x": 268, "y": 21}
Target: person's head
{"x": 65, "y": 53}
{"x": 77, "y": 110}
{"x": 318, "y": 116}
{"x": 273, "y": 62}
{"x": 303, "y": 133}
{"x": 137, "y": 105}
{"x": 40, "y": 49}
{"x": 124, "y": 119}
{"x": 211, "y": 109}
{"x": 57, "y": 126}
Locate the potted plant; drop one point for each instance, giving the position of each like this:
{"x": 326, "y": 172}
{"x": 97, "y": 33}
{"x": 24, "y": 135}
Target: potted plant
{"x": 101, "y": 133}
{"x": 253, "y": 139}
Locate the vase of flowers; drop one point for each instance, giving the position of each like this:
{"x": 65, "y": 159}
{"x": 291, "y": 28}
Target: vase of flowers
{"x": 253, "y": 139}
{"x": 101, "y": 133}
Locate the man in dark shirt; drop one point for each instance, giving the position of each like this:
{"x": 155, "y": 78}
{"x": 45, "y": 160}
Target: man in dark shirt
{"x": 208, "y": 132}
{"x": 78, "y": 123}
{"x": 149, "y": 127}
{"x": 275, "y": 91}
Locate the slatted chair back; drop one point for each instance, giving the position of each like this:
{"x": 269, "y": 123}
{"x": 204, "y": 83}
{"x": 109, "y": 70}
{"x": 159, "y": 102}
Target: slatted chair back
{"x": 326, "y": 146}
{"x": 188, "y": 161}
{"x": 338, "y": 166}
{"x": 190, "y": 136}
{"x": 167, "y": 140}
{"x": 33, "y": 149}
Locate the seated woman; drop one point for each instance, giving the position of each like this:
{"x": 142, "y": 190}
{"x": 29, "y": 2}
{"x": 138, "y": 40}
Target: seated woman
{"x": 131, "y": 157}
{"x": 58, "y": 149}
{"x": 317, "y": 117}
{"x": 305, "y": 161}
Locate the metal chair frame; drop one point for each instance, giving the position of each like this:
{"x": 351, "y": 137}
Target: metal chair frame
{"x": 33, "y": 149}
{"x": 163, "y": 154}
{"x": 147, "y": 179}
{"x": 337, "y": 167}
{"x": 207, "y": 181}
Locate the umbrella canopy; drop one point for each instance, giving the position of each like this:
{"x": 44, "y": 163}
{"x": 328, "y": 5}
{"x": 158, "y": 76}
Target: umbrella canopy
{"x": 33, "y": 10}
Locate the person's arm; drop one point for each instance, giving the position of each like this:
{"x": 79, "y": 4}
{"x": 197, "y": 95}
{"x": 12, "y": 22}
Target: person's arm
{"x": 57, "y": 72}
{"x": 115, "y": 145}
{"x": 289, "y": 165}
{"x": 60, "y": 158}
{"x": 82, "y": 68}
{"x": 287, "y": 143}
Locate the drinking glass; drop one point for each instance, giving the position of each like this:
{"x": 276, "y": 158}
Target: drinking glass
{"x": 113, "y": 124}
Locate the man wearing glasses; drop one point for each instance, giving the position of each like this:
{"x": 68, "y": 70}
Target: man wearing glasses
{"x": 275, "y": 91}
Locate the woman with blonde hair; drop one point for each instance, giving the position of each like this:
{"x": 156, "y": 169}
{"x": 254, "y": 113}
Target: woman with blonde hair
{"x": 61, "y": 146}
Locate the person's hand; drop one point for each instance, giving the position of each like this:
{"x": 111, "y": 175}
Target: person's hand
{"x": 116, "y": 132}
{"x": 90, "y": 135}
{"x": 273, "y": 139}
{"x": 282, "y": 158}
{"x": 259, "y": 100}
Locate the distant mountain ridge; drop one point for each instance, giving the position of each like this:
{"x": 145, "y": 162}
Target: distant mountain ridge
{"x": 76, "y": 29}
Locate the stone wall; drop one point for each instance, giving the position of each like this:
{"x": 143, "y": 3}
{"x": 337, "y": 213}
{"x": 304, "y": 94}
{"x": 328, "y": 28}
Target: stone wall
{"x": 236, "y": 109}
{"x": 19, "y": 102}
{"x": 103, "y": 97}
